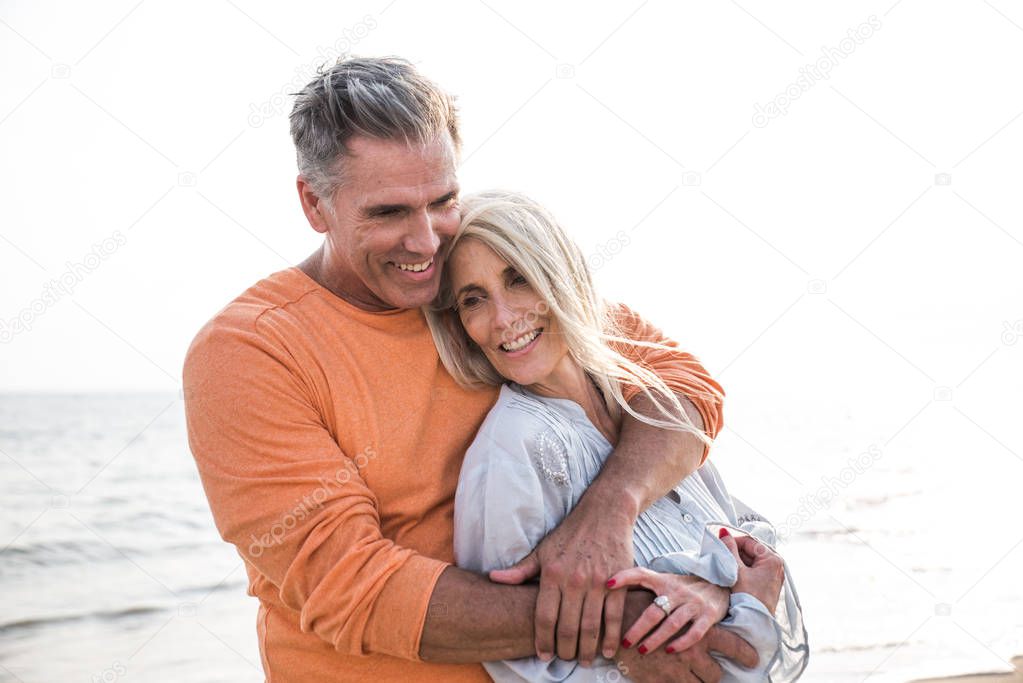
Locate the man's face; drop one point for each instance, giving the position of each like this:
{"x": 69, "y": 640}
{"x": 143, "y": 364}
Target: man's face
{"x": 396, "y": 210}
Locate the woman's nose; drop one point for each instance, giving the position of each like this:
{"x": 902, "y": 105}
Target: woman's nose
{"x": 508, "y": 320}
{"x": 504, "y": 315}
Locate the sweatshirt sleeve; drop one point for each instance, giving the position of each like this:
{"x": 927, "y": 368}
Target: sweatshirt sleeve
{"x": 680, "y": 370}
{"x": 292, "y": 502}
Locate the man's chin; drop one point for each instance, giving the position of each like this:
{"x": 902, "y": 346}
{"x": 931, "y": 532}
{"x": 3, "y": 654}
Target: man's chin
{"x": 412, "y": 297}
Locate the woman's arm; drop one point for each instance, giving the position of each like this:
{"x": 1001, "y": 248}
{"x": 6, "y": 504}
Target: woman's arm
{"x": 595, "y": 540}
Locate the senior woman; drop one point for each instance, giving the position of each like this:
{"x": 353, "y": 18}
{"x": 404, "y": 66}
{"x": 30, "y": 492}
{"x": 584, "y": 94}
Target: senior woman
{"x": 517, "y": 309}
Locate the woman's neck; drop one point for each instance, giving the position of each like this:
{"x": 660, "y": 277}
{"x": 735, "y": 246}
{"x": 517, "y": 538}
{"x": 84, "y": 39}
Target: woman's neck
{"x": 568, "y": 380}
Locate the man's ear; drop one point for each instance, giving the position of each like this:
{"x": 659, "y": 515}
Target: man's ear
{"x": 311, "y": 205}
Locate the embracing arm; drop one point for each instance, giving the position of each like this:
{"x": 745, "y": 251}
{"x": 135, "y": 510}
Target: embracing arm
{"x": 595, "y": 540}
{"x": 293, "y": 502}
{"x": 471, "y": 619}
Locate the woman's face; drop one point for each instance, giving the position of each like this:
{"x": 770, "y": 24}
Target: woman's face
{"x": 502, "y": 313}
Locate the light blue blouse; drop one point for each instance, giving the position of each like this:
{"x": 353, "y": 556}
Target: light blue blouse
{"x": 529, "y": 464}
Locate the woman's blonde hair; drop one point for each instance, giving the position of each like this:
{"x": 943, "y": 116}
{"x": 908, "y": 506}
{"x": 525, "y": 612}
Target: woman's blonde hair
{"x": 528, "y": 238}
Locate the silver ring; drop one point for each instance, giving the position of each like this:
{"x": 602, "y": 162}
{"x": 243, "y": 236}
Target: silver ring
{"x": 664, "y": 603}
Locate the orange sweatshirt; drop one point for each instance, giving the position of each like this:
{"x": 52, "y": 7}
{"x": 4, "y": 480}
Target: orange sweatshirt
{"x": 329, "y": 441}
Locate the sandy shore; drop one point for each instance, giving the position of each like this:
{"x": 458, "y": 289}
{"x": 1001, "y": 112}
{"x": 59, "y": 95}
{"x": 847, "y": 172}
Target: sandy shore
{"x": 1016, "y": 677}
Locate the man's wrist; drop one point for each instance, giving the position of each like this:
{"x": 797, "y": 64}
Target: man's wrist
{"x": 614, "y": 501}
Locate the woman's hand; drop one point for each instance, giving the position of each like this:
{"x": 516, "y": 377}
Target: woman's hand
{"x": 690, "y": 600}
{"x": 761, "y": 570}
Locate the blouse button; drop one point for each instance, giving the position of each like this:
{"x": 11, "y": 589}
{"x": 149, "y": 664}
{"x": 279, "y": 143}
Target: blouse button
{"x": 687, "y": 517}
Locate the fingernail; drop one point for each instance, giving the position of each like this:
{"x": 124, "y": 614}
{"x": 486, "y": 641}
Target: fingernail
{"x": 723, "y": 533}
{"x": 642, "y": 649}
{"x": 611, "y": 583}
{"x": 669, "y": 649}
{"x": 626, "y": 643}
{"x": 545, "y": 656}
{"x": 608, "y": 654}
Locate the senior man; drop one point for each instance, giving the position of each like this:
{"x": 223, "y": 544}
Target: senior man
{"x": 329, "y": 436}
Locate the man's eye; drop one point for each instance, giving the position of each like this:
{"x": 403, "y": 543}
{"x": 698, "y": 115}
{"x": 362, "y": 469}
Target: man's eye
{"x": 440, "y": 203}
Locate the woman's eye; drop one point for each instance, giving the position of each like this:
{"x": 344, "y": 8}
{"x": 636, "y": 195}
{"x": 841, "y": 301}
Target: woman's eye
{"x": 519, "y": 280}
{"x": 470, "y": 301}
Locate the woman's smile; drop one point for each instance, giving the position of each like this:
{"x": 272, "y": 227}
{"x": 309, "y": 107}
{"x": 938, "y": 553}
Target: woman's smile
{"x": 522, "y": 345}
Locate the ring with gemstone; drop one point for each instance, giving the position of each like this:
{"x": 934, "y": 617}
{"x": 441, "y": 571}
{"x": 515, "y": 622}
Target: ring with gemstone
{"x": 664, "y": 603}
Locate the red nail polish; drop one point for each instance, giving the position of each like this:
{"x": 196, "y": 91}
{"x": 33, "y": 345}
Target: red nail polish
{"x": 723, "y": 533}
{"x": 642, "y": 649}
{"x": 669, "y": 649}
{"x": 626, "y": 643}
{"x": 611, "y": 583}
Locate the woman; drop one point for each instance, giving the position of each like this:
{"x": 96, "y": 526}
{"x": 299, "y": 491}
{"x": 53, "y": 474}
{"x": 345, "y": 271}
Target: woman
{"x": 517, "y": 308}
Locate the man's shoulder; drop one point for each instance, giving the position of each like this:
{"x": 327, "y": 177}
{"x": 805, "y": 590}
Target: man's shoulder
{"x": 238, "y": 321}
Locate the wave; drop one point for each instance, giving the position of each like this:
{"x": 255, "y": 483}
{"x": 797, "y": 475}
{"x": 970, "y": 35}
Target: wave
{"x": 44, "y": 622}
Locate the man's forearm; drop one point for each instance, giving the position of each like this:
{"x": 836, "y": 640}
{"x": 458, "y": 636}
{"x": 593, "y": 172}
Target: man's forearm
{"x": 471, "y": 619}
{"x": 648, "y": 461}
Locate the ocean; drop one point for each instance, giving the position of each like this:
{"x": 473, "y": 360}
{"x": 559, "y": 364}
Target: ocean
{"x": 907, "y": 561}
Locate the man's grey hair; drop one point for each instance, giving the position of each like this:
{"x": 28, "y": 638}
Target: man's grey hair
{"x": 385, "y": 98}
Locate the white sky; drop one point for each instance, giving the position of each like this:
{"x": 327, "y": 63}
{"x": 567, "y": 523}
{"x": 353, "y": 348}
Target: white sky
{"x": 105, "y": 109}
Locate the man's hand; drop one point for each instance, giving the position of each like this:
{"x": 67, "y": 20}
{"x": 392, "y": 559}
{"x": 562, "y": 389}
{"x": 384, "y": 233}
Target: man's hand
{"x": 574, "y": 562}
{"x": 691, "y": 600}
{"x": 694, "y": 665}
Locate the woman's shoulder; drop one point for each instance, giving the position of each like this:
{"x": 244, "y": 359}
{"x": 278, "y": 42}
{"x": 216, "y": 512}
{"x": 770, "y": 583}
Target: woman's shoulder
{"x": 519, "y": 428}
{"x": 518, "y": 416}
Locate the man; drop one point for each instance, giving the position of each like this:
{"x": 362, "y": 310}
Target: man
{"x": 329, "y": 436}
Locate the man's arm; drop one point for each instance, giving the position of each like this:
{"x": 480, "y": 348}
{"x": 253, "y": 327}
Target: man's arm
{"x": 471, "y": 619}
{"x": 292, "y": 502}
{"x": 595, "y": 540}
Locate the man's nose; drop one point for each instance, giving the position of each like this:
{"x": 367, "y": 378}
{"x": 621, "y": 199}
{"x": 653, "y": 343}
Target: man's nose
{"x": 421, "y": 237}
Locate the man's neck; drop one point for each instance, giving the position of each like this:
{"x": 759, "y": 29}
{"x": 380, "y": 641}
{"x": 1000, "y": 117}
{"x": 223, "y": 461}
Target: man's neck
{"x": 317, "y": 269}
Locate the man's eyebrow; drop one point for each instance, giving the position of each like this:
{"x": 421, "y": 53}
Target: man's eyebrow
{"x": 377, "y": 209}
{"x": 451, "y": 194}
